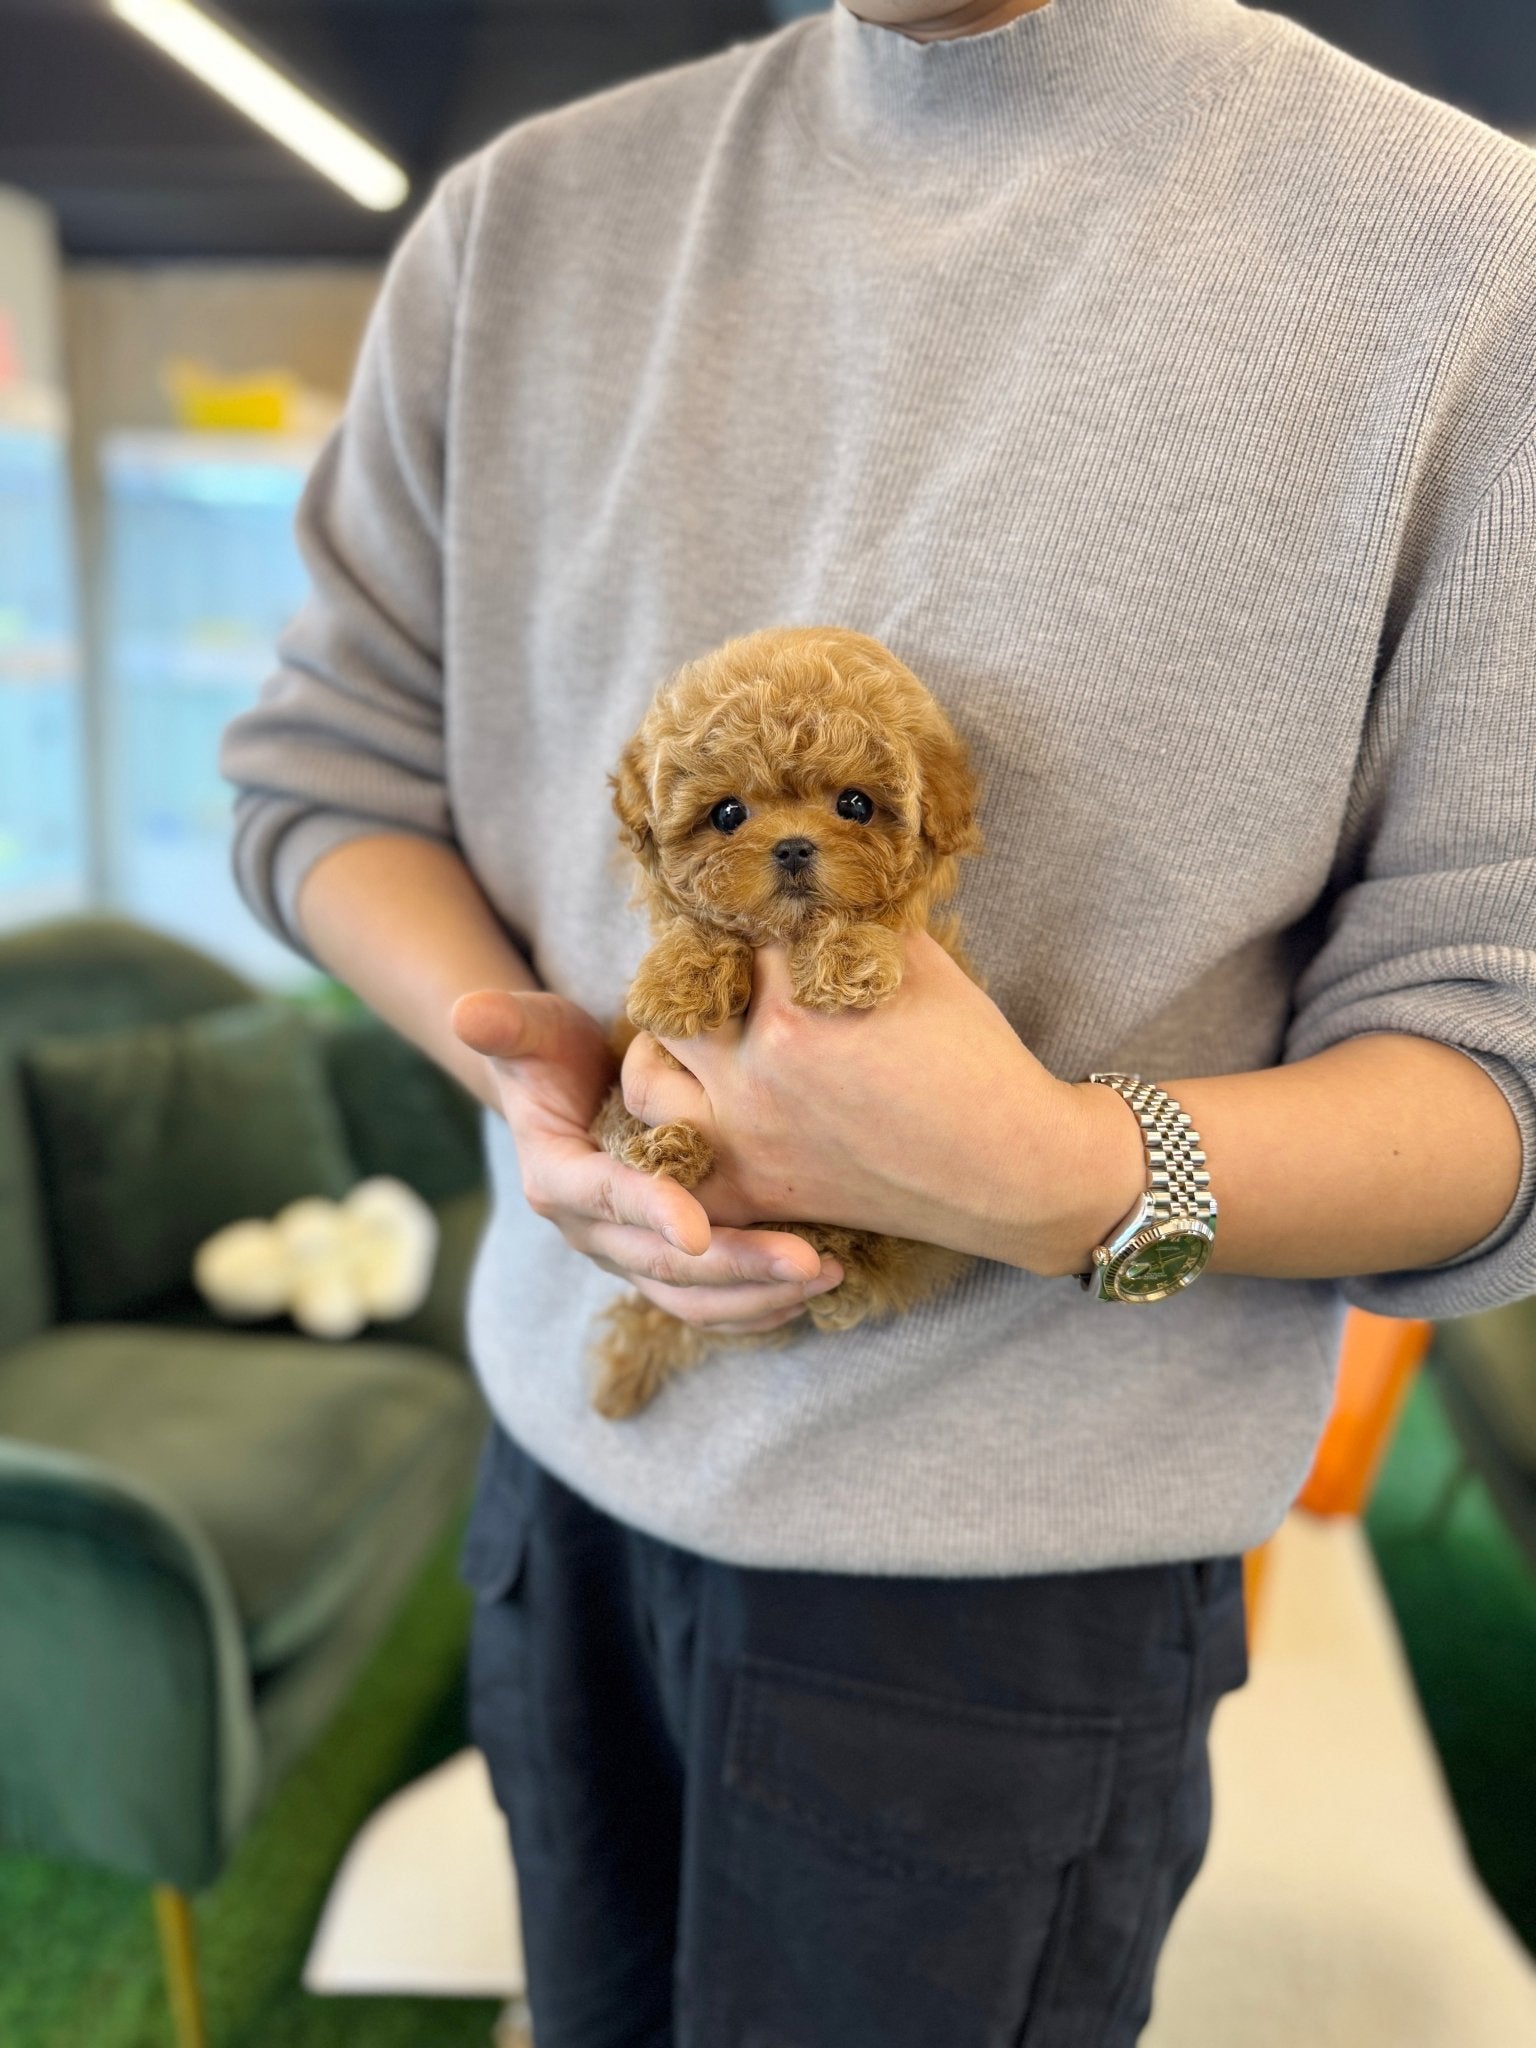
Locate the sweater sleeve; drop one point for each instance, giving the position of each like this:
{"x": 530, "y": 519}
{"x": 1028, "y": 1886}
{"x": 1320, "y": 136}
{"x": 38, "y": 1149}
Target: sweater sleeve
{"x": 346, "y": 737}
{"x": 1437, "y": 936}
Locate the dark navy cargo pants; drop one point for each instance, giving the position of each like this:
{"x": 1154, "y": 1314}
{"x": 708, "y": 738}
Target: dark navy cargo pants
{"x": 783, "y": 1809}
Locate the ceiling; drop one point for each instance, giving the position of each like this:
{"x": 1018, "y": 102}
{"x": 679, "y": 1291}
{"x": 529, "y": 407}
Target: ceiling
{"x": 139, "y": 162}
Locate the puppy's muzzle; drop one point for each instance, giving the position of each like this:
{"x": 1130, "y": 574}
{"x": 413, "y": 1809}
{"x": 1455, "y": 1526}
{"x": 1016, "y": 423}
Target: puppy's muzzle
{"x": 793, "y": 856}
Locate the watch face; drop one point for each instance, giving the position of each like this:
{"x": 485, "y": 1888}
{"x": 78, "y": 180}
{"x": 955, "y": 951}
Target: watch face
{"x": 1161, "y": 1267}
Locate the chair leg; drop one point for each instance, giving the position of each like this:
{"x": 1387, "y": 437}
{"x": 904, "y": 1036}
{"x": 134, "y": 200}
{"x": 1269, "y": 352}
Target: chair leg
{"x": 513, "y": 2027}
{"x": 178, "y": 1953}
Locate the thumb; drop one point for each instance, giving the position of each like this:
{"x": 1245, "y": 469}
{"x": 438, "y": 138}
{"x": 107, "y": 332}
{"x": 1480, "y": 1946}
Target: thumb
{"x": 510, "y": 1024}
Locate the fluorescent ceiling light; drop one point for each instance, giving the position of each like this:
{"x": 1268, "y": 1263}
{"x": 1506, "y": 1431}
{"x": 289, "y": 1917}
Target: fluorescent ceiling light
{"x": 249, "y": 82}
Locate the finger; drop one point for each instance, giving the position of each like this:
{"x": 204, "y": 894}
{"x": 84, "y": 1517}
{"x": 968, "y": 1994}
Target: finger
{"x": 729, "y": 1326}
{"x": 721, "y": 1307}
{"x": 735, "y": 1258}
{"x": 761, "y": 1326}
{"x": 658, "y": 1091}
{"x": 782, "y": 1253}
{"x": 742, "y": 1329}
{"x": 770, "y": 975}
{"x": 510, "y": 1024}
{"x": 568, "y": 1177}
{"x": 708, "y": 1051}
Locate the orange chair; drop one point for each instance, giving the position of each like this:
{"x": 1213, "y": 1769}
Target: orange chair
{"x": 1378, "y": 1358}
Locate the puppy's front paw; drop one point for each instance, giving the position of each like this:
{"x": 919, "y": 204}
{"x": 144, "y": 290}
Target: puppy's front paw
{"x": 851, "y": 968}
{"x": 685, "y": 985}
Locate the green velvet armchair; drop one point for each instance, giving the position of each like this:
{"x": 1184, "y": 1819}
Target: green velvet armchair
{"x": 203, "y": 1528}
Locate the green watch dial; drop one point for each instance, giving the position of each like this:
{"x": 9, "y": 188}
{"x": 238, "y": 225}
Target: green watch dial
{"x": 1162, "y": 1267}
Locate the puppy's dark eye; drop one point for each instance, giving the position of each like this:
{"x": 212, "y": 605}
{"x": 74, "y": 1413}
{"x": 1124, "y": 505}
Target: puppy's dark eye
{"x": 728, "y": 814}
{"x": 853, "y": 803}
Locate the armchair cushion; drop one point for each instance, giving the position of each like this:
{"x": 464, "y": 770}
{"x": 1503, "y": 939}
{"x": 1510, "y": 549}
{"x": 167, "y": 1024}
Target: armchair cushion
{"x": 402, "y": 1114}
{"x": 151, "y": 1138}
{"x": 284, "y": 1453}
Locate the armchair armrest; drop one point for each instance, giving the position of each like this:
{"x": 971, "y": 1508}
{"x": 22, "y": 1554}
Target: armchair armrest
{"x": 126, "y": 1730}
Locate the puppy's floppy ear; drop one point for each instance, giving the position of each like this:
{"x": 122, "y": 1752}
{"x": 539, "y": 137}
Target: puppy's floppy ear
{"x": 948, "y": 795}
{"x": 632, "y": 802}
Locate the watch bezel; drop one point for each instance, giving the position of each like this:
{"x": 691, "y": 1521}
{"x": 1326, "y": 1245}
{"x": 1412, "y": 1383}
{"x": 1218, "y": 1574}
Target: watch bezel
{"x": 1141, "y": 1240}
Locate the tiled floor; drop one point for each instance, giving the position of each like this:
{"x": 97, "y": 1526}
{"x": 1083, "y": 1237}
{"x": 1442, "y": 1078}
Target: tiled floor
{"x": 1337, "y": 1907}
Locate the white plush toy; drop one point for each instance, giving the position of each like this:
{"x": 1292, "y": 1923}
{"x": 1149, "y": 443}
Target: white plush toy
{"x": 332, "y": 1265}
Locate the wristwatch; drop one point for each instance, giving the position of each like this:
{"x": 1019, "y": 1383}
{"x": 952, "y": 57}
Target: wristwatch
{"x": 1166, "y": 1240}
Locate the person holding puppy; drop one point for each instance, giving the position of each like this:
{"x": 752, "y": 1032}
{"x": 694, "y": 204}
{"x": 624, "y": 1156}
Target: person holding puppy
{"x": 1153, "y": 380}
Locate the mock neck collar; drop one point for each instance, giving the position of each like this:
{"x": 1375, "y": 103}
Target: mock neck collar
{"x": 1044, "y": 86}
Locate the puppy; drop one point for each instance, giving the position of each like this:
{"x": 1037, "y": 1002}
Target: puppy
{"x": 796, "y": 785}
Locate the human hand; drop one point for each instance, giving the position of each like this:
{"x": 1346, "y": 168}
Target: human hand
{"x": 552, "y": 1067}
{"x": 924, "y": 1117}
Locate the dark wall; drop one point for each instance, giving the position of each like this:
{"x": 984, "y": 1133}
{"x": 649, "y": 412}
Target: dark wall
{"x": 137, "y": 159}
{"x": 1479, "y": 54}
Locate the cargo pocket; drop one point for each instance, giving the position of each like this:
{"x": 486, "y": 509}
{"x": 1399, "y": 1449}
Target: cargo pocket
{"x": 889, "y": 1867}
{"x": 493, "y": 1563}
{"x": 916, "y": 1786}
{"x": 1221, "y": 1619}
{"x": 495, "y": 1547}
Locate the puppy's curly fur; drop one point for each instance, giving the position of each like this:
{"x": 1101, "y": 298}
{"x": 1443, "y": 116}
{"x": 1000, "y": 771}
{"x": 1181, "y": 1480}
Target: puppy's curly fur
{"x": 797, "y": 785}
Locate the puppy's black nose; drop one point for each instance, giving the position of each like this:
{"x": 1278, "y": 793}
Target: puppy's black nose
{"x": 794, "y": 854}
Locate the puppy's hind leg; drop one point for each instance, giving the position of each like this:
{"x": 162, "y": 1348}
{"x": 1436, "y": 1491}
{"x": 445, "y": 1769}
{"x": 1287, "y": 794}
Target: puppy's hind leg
{"x": 640, "y": 1346}
{"x": 639, "y": 1349}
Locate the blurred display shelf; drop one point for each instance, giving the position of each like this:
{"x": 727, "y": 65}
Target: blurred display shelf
{"x": 42, "y": 799}
{"x": 203, "y": 573}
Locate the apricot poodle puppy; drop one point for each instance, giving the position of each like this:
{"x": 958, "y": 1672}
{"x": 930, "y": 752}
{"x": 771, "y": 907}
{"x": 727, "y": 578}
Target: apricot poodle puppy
{"x": 797, "y": 785}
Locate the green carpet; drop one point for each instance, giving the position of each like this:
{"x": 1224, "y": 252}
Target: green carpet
{"x": 1465, "y": 1602}
{"x": 78, "y": 1959}
{"x": 77, "y": 1952}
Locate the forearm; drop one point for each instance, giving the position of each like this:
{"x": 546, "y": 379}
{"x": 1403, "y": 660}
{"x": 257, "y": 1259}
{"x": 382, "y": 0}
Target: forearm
{"x": 1382, "y": 1154}
{"x": 402, "y": 921}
